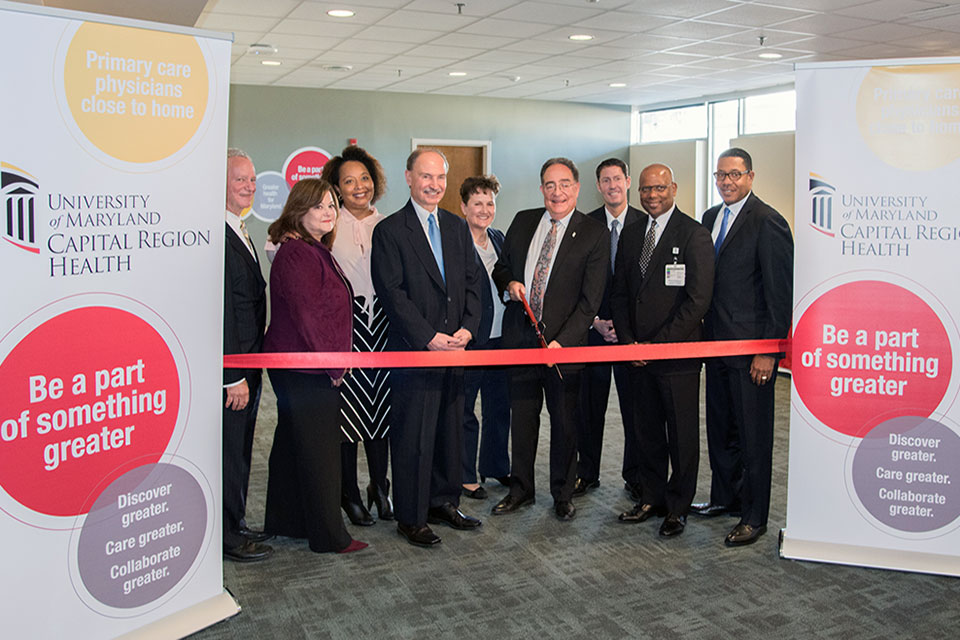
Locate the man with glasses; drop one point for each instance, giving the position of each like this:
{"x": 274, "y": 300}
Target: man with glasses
{"x": 661, "y": 291}
{"x": 752, "y": 299}
{"x": 555, "y": 259}
{"x": 613, "y": 183}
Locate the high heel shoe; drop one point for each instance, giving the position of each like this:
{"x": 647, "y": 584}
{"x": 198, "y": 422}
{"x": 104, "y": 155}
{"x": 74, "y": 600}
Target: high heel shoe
{"x": 380, "y": 497}
{"x": 356, "y": 512}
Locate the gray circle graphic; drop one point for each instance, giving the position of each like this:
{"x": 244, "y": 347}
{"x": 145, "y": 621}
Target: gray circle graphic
{"x": 271, "y": 195}
{"x": 903, "y": 473}
{"x": 142, "y": 535}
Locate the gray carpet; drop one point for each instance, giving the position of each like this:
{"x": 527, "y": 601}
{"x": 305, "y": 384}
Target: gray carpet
{"x": 528, "y": 575}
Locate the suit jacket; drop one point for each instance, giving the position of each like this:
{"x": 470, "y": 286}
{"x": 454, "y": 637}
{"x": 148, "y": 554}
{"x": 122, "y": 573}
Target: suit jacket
{"x": 486, "y": 296}
{"x": 627, "y": 218}
{"x": 753, "y": 285}
{"x": 574, "y": 290}
{"x": 244, "y": 305}
{"x": 410, "y": 287}
{"x": 645, "y": 308}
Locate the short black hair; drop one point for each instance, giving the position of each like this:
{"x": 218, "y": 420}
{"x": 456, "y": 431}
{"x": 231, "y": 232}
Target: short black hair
{"x": 612, "y": 162}
{"x": 567, "y": 162}
{"x": 353, "y": 153}
{"x": 737, "y": 152}
{"x": 478, "y": 184}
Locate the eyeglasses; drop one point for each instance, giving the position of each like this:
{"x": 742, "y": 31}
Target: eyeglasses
{"x": 659, "y": 188}
{"x": 733, "y": 175}
{"x": 563, "y": 185}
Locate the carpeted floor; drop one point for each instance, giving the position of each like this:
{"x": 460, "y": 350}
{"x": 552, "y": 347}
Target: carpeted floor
{"x": 528, "y": 575}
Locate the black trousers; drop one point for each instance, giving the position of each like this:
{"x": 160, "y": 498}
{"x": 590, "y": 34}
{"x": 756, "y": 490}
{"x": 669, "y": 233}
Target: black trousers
{"x": 529, "y": 386}
{"x": 377, "y": 452}
{"x": 740, "y": 440}
{"x": 238, "y": 428}
{"x": 303, "y": 489}
{"x": 426, "y": 424}
{"x": 595, "y": 395}
{"x": 667, "y": 410}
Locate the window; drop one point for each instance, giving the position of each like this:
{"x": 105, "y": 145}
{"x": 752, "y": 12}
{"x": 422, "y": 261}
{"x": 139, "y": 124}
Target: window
{"x": 770, "y": 112}
{"x": 666, "y": 125}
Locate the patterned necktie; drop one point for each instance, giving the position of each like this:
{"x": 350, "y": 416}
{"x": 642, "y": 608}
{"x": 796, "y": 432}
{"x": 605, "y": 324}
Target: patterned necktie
{"x": 541, "y": 271}
{"x": 614, "y": 240}
{"x": 246, "y": 236}
{"x": 723, "y": 231}
{"x": 649, "y": 242}
{"x": 435, "y": 243}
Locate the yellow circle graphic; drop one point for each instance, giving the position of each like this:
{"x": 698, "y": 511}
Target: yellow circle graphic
{"x": 138, "y": 95}
{"x": 909, "y": 116}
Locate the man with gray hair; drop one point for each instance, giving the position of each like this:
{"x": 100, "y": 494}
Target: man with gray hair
{"x": 556, "y": 259}
{"x": 244, "y": 320}
{"x": 426, "y": 275}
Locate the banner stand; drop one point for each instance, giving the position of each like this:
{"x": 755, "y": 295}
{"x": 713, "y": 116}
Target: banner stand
{"x": 189, "y": 620}
{"x": 857, "y": 556}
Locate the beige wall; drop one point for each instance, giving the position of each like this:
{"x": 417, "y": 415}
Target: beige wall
{"x": 773, "y": 163}
{"x": 687, "y": 158}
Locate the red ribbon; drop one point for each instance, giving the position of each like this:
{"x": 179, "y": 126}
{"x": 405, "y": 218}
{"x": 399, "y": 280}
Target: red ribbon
{"x": 488, "y": 357}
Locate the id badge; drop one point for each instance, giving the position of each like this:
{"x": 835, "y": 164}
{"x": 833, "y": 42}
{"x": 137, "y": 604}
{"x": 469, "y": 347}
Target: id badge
{"x": 676, "y": 275}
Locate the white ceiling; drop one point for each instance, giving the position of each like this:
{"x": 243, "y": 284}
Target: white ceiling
{"x": 663, "y": 50}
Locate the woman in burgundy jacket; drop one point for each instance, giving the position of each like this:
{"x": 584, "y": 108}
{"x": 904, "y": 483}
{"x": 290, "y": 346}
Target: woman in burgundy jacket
{"x": 311, "y": 305}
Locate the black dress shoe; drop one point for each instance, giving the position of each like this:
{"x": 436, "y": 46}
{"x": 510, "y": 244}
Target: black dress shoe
{"x": 255, "y": 536}
{"x": 743, "y": 534}
{"x": 248, "y": 552}
{"x": 356, "y": 512}
{"x": 419, "y": 536}
{"x": 477, "y": 494}
{"x": 581, "y": 486}
{"x": 633, "y": 490}
{"x": 564, "y": 510}
{"x": 510, "y": 503}
{"x": 710, "y": 509}
{"x": 449, "y": 515}
{"x": 380, "y": 496}
{"x": 641, "y": 513}
{"x": 672, "y": 525}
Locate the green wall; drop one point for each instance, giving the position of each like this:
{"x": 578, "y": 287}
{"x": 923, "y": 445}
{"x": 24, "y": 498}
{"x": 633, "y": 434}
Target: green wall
{"x": 270, "y": 122}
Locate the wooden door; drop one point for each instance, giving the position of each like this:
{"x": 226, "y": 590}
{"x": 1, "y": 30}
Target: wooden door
{"x": 464, "y": 162}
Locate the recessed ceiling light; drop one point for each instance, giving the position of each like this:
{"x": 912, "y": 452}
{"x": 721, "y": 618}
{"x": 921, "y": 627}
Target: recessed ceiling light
{"x": 340, "y": 13}
{"x": 457, "y": 74}
{"x": 770, "y": 55}
{"x": 271, "y": 63}
{"x": 580, "y": 37}
{"x": 617, "y": 85}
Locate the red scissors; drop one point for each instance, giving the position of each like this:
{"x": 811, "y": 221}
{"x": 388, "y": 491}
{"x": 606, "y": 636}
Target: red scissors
{"x": 536, "y": 327}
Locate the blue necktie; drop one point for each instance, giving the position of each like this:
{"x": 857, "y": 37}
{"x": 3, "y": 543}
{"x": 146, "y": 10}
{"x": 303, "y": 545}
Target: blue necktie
{"x": 614, "y": 240}
{"x": 435, "y": 243}
{"x": 723, "y": 231}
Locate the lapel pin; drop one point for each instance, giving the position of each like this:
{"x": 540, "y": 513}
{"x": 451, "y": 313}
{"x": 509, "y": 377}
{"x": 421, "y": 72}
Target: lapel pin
{"x": 574, "y": 235}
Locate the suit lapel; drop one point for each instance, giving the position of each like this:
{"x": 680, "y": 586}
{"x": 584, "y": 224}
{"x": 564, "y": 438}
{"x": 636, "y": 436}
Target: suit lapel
{"x": 241, "y": 248}
{"x": 421, "y": 246}
{"x": 568, "y": 240}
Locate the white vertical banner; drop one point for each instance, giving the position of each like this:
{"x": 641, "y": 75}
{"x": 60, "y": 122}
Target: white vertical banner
{"x": 112, "y": 165}
{"x": 874, "y": 476}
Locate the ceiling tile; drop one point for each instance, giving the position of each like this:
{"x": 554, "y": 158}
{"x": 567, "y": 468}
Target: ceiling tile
{"x": 887, "y": 10}
{"x": 824, "y": 24}
{"x": 318, "y": 11}
{"x": 884, "y": 32}
{"x": 546, "y": 13}
{"x": 754, "y": 15}
{"x": 679, "y": 8}
{"x": 274, "y": 8}
{"x": 507, "y": 28}
{"x": 299, "y": 26}
{"x": 697, "y": 30}
{"x": 424, "y": 20}
{"x": 457, "y": 40}
{"x": 393, "y": 34}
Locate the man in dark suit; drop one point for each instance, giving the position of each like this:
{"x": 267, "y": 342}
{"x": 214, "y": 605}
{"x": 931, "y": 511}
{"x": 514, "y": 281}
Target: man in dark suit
{"x": 613, "y": 183}
{"x": 558, "y": 259}
{"x": 661, "y": 291}
{"x": 752, "y": 299}
{"x": 244, "y": 319}
{"x": 426, "y": 275}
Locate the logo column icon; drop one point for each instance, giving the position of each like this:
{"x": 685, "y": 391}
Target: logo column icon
{"x": 19, "y": 190}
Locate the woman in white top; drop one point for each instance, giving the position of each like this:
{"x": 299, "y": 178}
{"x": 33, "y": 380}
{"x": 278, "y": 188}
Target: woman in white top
{"x": 365, "y": 393}
{"x": 478, "y": 203}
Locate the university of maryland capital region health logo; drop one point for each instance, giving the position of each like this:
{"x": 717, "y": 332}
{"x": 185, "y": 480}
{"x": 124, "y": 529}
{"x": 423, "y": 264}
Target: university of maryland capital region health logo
{"x": 821, "y": 205}
{"x": 18, "y": 192}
